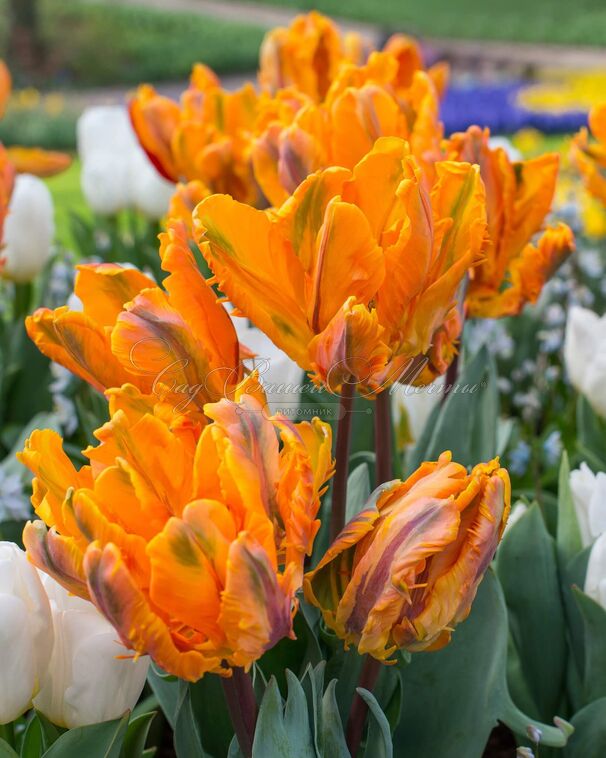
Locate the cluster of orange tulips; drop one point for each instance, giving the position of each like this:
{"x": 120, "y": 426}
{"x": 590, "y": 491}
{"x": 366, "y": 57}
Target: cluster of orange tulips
{"x": 336, "y": 217}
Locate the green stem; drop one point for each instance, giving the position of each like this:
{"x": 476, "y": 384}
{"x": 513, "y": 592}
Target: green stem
{"x": 339, "y": 482}
{"x": 383, "y": 437}
{"x": 359, "y": 708}
{"x": 242, "y": 707}
{"x": 22, "y": 300}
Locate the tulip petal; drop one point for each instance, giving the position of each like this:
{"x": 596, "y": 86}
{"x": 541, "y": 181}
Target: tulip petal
{"x": 34, "y": 160}
{"x": 57, "y": 555}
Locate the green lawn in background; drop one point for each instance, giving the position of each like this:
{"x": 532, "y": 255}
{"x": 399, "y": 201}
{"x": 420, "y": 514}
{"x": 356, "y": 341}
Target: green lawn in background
{"x": 68, "y": 199}
{"x": 98, "y": 43}
{"x": 578, "y": 22}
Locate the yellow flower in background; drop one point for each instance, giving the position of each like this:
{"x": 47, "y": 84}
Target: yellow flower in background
{"x": 368, "y": 263}
{"x": 519, "y": 195}
{"x": 192, "y": 545}
{"x": 560, "y": 92}
{"x": 405, "y": 570}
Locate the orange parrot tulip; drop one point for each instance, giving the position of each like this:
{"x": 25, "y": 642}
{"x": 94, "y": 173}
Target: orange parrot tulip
{"x": 518, "y": 197}
{"x": 405, "y": 570}
{"x": 358, "y": 270}
{"x": 363, "y": 104}
{"x": 205, "y": 137}
{"x": 191, "y": 544}
{"x": 176, "y": 342}
{"x": 590, "y": 157}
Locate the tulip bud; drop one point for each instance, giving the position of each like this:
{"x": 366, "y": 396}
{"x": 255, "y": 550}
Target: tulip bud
{"x": 150, "y": 192}
{"x": 588, "y": 495}
{"x": 412, "y": 407}
{"x": 28, "y": 230}
{"x": 26, "y": 637}
{"x": 91, "y": 677}
{"x": 406, "y": 569}
{"x": 595, "y": 578}
{"x": 585, "y": 355}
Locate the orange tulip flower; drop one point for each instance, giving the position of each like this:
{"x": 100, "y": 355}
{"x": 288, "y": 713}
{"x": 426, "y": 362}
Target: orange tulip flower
{"x": 5, "y": 86}
{"x": 590, "y": 158}
{"x": 518, "y": 197}
{"x": 363, "y": 103}
{"x": 406, "y": 569}
{"x": 176, "y": 342}
{"x": 355, "y": 273}
{"x": 191, "y": 544}
{"x": 410, "y": 59}
{"x": 205, "y": 137}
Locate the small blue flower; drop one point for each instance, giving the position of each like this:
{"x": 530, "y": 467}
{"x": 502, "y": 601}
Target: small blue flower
{"x": 519, "y": 458}
{"x": 552, "y": 448}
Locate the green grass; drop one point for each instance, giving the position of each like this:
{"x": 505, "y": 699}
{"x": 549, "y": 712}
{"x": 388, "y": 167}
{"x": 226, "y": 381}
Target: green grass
{"x": 68, "y": 199}
{"x": 95, "y": 43}
{"x": 551, "y": 21}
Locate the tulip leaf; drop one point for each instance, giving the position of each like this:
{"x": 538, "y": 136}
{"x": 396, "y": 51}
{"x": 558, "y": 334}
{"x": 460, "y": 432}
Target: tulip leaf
{"x": 96, "y": 741}
{"x": 136, "y": 736}
{"x": 50, "y": 732}
{"x": 211, "y": 714}
{"x": 6, "y": 750}
{"x": 166, "y": 689}
{"x": 435, "y": 722}
{"x": 568, "y": 534}
{"x": 378, "y": 740}
{"x": 594, "y": 620}
{"x": 32, "y": 745}
{"x": 528, "y": 571}
{"x": 332, "y": 738}
{"x": 466, "y": 423}
{"x": 358, "y": 490}
{"x": 589, "y": 738}
{"x": 187, "y": 738}
{"x": 591, "y": 434}
{"x": 283, "y": 731}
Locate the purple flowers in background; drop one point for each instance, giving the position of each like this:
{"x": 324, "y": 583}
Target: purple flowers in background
{"x": 495, "y": 106}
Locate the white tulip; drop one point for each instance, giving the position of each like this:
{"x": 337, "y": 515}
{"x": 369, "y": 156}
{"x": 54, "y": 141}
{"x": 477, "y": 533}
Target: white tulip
{"x": 87, "y": 681}
{"x": 26, "y": 634}
{"x": 595, "y": 579}
{"x": 116, "y": 173}
{"x": 589, "y": 497}
{"x": 280, "y": 375}
{"x": 415, "y": 404}
{"x": 150, "y": 192}
{"x": 517, "y": 511}
{"x": 29, "y": 230}
{"x": 585, "y": 355}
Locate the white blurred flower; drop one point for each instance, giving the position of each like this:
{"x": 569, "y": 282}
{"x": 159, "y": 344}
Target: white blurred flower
{"x": 512, "y": 152}
{"x": 585, "y": 355}
{"x": 26, "y": 634}
{"x": 14, "y": 503}
{"x": 87, "y": 681}
{"x": 416, "y": 404}
{"x": 589, "y": 497}
{"x": 595, "y": 578}
{"x": 116, "y": 173}
{"x": 280, "y": 376}
{"x": 29, "y": 230}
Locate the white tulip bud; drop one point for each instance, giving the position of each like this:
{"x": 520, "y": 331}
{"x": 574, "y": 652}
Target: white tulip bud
{"x": 595, "y": 578}
{"x": 585, "y": 355}
{"x": 104, "y": 128}
{"x": 91, "y": 677}
{"x": 415, "y": 405}
{"x": 29, "y": 230}
{"x": 150, "y": 192}
{"x": 104, "y": 179}
{"x": 589, "y": 497}
{"x": 26, "y": 634}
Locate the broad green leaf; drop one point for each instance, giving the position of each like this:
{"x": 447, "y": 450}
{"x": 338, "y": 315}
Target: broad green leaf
{"x": 454, "y": 697}
{"x": 166, "y": 689}
{"x": 270, "y": 735}
{"x": 313, "y": 686}
{"x": 358, "y": 490}
{"x": 594, "y": 619}
{"x": 378, "y": 740}
{"x": 97, "y": 741}
{"x": 589, "y": 738}
{"x": 211, "y": 714}
{"x": 466, "y": 423}
{"x": 187, "y": 735}
{"x": 332, "y": 738}
{"x": 6, "y": 750}
{"x": 32, "y": 745}
{"x": 528, "y": 572}
{"x": 50, "y": 732}
{"x": 568, "y": 535}
{"x": 297, "y": 721}
{"x": 291, "y": 654}
{"x": 136, "y": 736}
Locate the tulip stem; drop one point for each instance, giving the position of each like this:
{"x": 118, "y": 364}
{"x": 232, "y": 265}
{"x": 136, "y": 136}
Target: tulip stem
{"x": 339, "y": 482}
{"x": 22, "y": 301}
{"x": 7, "y": 733}
{"x": 359, "y": 708}
{"x": 383, "y": 447}
{"x": 242, "y": 707}
{"x": 452, "y": 373}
